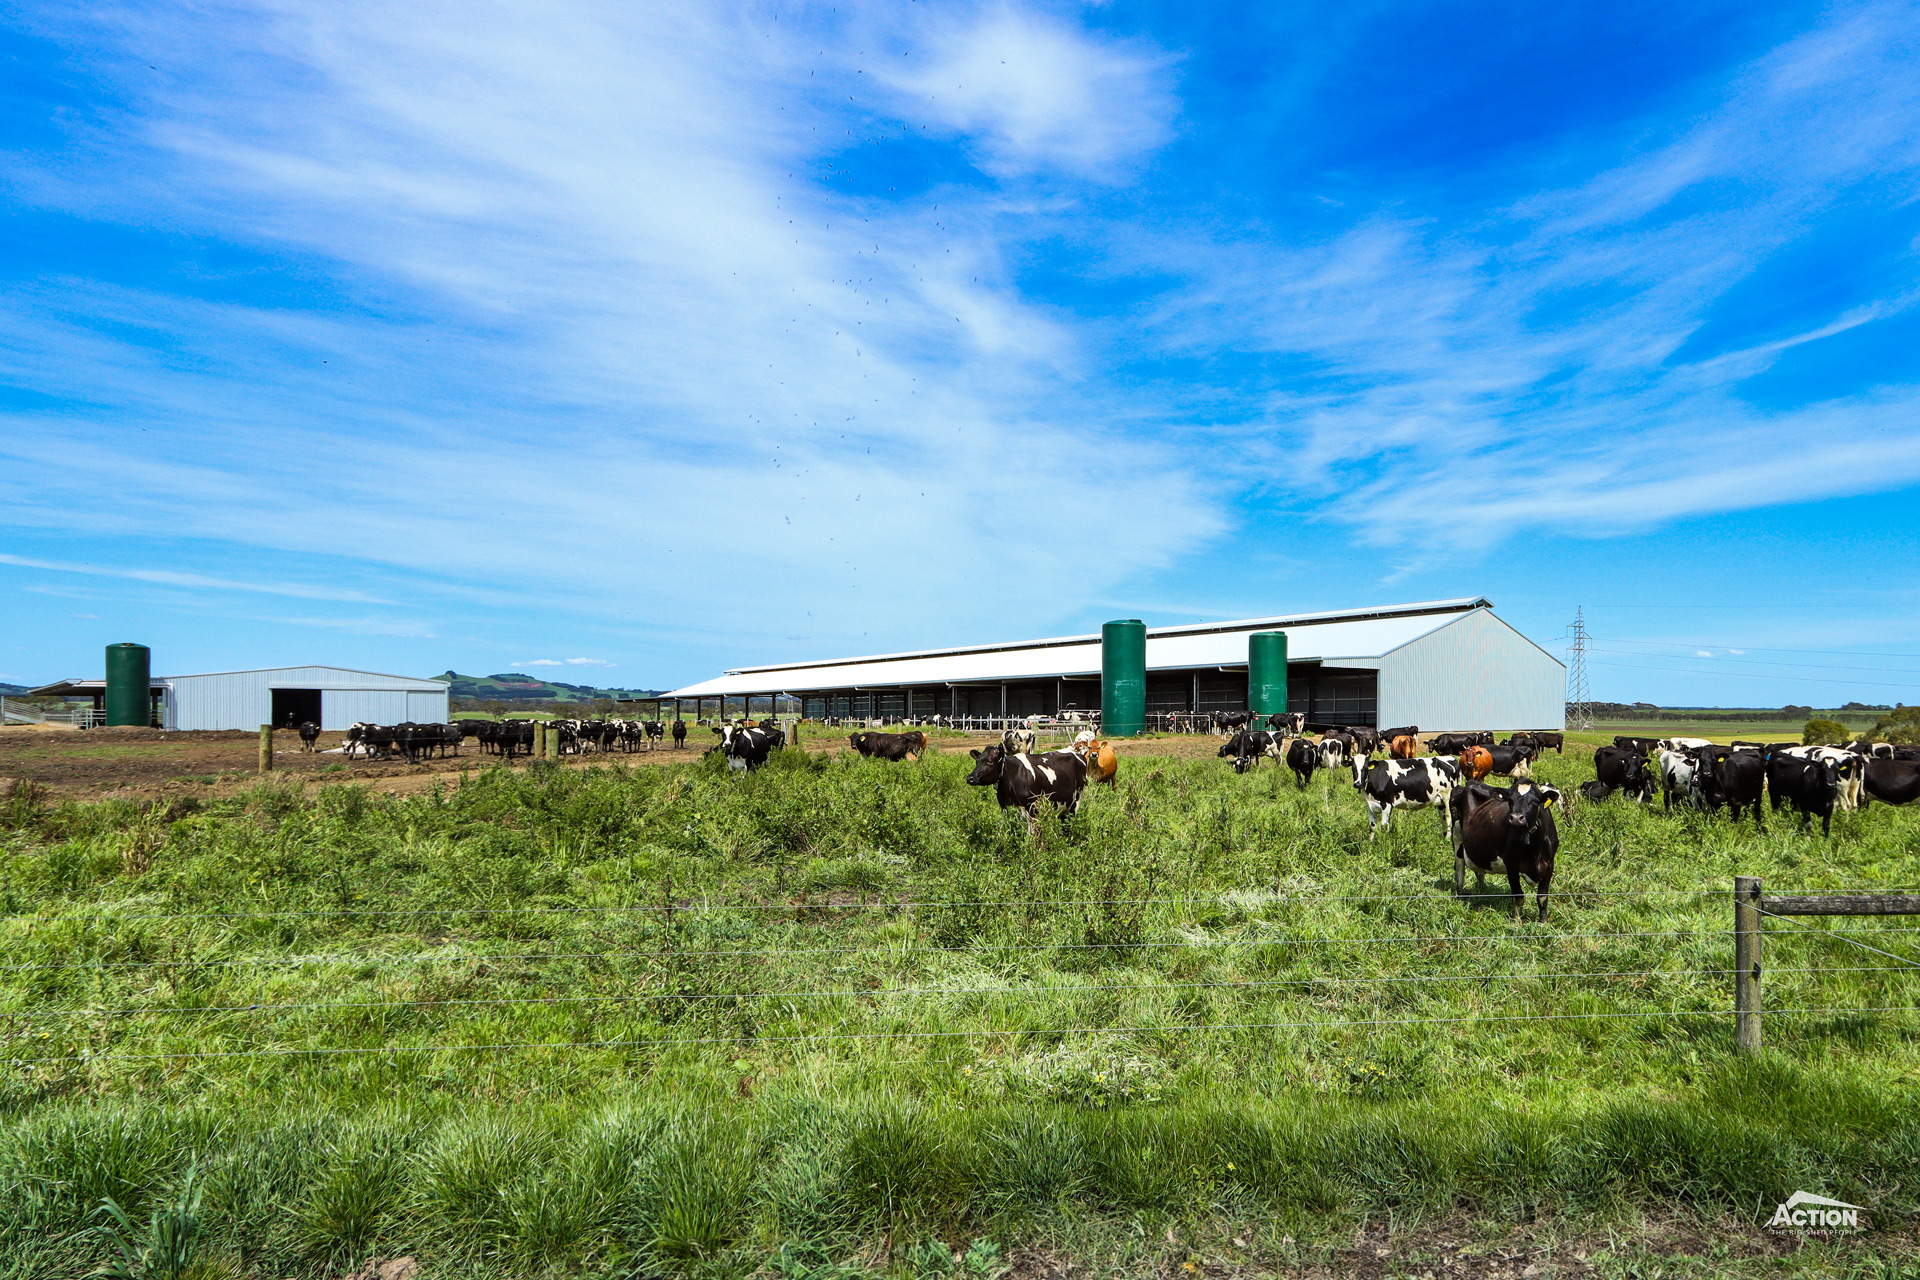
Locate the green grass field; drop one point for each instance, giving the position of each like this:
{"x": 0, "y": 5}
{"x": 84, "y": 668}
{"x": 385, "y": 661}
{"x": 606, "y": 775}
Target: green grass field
{"x": 841, "y": 1018}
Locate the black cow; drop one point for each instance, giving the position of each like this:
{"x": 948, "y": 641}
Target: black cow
{"x": 1512, "y": 830}
{"x": 1365, "y": 741}
{"x": 747, "y": 749}
{"x": 1624, "y": 769}
{"x": 1406, "y": 784}
{"x": 1544, "y": 738}
{"x": 1303, "y": 757}
{"x": 1733, "y": 778}
{"x": 1810, "y": 786}
{"x": 1023, "y": 781}
{"x": 1452, "y": 744}
{"x": 309, "y": 734}
{"x": 1511, "y": 759}
{"x": 1595, "y": 790}
{"x": 1643, "y": 745}
{"x": 1289, "y": 723}
{"x": 679, "y": 734}
{"x": 889, "y": 746}
{"x": 1401, "y": 731}
{"x": 1892, "y": 781}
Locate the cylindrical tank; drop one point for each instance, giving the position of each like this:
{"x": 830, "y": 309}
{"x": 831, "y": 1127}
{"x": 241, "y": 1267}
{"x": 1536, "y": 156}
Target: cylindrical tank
{"x": 1123, "y": 678}
{"x": 1267, "y": 672}
{"x": 129, "y": 685}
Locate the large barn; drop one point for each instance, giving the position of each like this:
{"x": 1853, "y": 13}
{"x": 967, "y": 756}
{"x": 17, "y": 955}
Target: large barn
{"x": 332, "y": 697}
{"x": 1441, "y": 664}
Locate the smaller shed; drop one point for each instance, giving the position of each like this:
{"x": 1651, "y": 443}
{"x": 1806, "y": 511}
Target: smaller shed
{"x": 332, "y": 697}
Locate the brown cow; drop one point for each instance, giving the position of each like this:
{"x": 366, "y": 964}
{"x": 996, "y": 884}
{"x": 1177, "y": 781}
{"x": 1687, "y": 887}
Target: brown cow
{"x": 1102, "y": 764}
{"x": 1476, "y": 763}
{"x": 1404, "y": 747}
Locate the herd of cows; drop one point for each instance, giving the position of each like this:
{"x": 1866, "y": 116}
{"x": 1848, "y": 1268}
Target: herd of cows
{"x": 508, "y": 738}
{"x": 1492, "y": 829}
{"x": 1815, "y": 780}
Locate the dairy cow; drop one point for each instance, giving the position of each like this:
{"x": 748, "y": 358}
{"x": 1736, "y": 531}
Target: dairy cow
{"x": 1022, "y": 781}
{"x": 1407, "y": 784}
{"x": 1511, "y": 830}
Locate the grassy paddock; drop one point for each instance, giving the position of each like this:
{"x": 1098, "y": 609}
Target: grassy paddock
{"x": 840, "y": 1002}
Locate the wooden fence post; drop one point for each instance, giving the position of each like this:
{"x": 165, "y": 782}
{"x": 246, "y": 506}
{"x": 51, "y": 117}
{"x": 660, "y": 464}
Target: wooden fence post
{"x": 266, "y": 748}
{"x": 539, "y": 739}
{"x": 1747, "y": 932}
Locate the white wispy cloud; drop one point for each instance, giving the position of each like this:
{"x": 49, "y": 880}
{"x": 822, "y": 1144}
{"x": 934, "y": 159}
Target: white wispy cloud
{"x": 595, "y": 269}
{"x": 170, "y": 578}
{"x": 1533, "y": 366}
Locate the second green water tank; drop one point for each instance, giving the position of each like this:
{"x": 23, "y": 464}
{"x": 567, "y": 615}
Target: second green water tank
{"x": 1123, "y": 678}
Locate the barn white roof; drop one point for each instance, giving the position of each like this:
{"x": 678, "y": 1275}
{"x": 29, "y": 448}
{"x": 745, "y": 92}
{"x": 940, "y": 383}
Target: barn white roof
{"x": 1349, "y": 637}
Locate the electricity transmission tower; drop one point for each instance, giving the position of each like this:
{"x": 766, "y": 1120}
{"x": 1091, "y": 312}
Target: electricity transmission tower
{"x": 1579, "y": 708}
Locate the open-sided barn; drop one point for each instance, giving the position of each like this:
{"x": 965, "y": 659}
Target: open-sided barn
{"x": 1440, "y": 664}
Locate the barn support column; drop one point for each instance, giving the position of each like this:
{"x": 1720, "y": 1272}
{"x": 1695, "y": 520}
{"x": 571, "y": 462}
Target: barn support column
{"x": 1003, "y": 706}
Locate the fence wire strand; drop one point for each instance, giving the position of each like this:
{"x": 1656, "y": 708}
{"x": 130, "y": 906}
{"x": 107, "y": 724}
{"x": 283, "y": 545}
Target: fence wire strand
{"x": 1183, "y": 1028}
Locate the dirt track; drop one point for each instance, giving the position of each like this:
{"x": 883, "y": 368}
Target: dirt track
{"x": 151, "y": 764}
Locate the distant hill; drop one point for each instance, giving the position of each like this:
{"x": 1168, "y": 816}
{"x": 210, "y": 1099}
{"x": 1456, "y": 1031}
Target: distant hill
{"x": 14, "y": 690}
{"x": 517, "y": 686}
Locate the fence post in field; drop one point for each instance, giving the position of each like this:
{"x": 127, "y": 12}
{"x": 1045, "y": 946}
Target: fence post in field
{"x": 266, "y": 748}
{"x": 1747, "y": 924}
{"x": 539, "y": 740}
{"x": 553, "y": 742}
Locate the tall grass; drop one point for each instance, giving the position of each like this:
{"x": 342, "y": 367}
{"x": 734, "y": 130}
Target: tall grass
{"x": 947, "y": 1025}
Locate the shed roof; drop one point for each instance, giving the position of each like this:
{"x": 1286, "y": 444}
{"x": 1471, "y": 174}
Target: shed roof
{"x": 72, "y": 688}
{"x": 1345, "y": 636}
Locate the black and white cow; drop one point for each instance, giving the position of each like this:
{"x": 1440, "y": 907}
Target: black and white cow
{"x": 1022, "y": 781}
{"x": 1425, "y": 782}
{"x": 1018, "y": 742}
{"x": 1246, "y": 747}
{"x": 1228, "y": 723}
{"x": 1849, "y": 770}
{"x": 747, "y": 749}
{"x": 1290, "y": 724}
{"x": 309, "y": 734}
{"x": 1511, "y": 830}
{"x": 1303, "y": 757}
{"x": 1677, "y": 781}
{"x": 1334, "y": 748}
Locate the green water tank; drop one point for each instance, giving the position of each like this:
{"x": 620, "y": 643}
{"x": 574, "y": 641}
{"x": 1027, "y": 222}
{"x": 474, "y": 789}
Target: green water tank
{"x": 1123, "y": 678}
{"x": 1267, "y": 672}
{"x": 129, "y": 685}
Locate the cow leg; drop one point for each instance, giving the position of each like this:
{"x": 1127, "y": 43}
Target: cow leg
{"x": 1518, "y": 892}
{"x": 1459, "y": 872}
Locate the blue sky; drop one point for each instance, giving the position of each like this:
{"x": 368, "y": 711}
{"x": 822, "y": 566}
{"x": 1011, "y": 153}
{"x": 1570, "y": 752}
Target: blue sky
{"x": 643, "y": 341}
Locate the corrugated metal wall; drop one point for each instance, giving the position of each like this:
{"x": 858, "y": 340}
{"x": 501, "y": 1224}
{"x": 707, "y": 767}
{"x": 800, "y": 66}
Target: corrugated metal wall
{"x": 244, "y": 699}
{"x": 427, "y": 708}
{"x": 342, "y": 708}
{"x": 1475, "y": 673}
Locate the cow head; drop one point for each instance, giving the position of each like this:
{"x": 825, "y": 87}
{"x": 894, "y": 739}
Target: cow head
{"x": 1527, "y": 804}
{"x": 986, "y": 766}
{"x": 1242, "y": 763}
